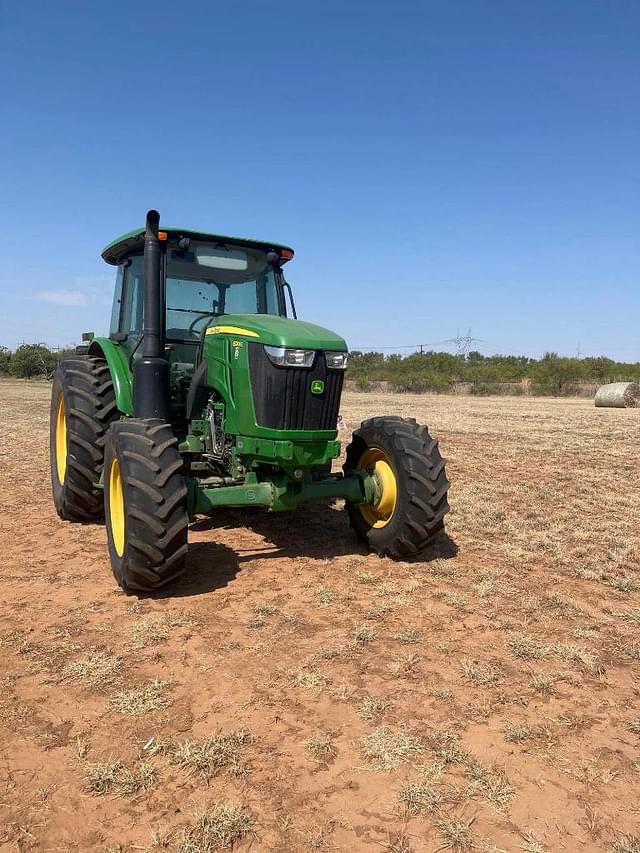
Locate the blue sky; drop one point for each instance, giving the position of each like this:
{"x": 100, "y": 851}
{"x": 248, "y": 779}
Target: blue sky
{"x": 438, "y": 166}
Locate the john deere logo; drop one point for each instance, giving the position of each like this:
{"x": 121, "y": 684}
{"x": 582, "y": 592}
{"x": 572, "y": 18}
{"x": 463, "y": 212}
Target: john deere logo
{"x": 317, "y": 386}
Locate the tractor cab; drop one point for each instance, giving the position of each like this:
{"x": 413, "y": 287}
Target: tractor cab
{"x": 202, "y": 277}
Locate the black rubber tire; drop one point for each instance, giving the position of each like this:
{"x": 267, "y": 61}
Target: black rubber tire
{"x": 421, "y": 483}
{"x": 85, "y": 385}
{"x": 155, "y": 508}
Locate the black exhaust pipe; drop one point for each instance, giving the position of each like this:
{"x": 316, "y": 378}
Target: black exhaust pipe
{"x": 151, "y": 370}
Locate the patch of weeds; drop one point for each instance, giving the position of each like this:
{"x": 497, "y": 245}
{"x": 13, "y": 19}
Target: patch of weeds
{"x": 571, "y": 653}
{"x": 631, "y": 616}
{"x": 385, "y": 749}
{"x": 493, "y": 784}
{"x": 444, "y": 694}
{"x": 480, "y": 675}
{"x": 95, "y": 670}
{"x": 372, "y": 708}
{"x": 447, "y": 747}
{"x": 397, "y": 844}
{"x": 115, "y": 778}
{"x": 455, "y": 600}
{"x": 264, "y": 609}
{"x": 363, "y": 634}
{"x": 420, "y": 798}
{"x": 530, "y": 844}
{"x": 321, "y": 748}
{"x": 526, "y": 647}
{"x": 140, "y": 700}
{"x": 366, "y": 578}
{"x": 326, "y": 653}
{"x": 256, "y": 622}
{"x": 517, "y": 733}
{"x": 542, "y": 684}
{"x": 378, "y": 611}
{"x": 456, "y": 834}
{"x": 623, "y": 584}
{"x": 404, "y": 665}
{"x": 207, "y": 757}
{"x": 324, "y": 596}
{"x": 218, "y": 827}
{"x": 626, "y": 844}
{"x": 634, "y": 726}
{"x": 310, "y": 679}
{"x": 407, "y": 637}
{"x": 148, "y": 632}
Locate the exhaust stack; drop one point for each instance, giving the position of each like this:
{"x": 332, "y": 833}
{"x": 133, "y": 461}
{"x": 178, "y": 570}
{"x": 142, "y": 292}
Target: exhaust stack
{"x": 151, "y": 370}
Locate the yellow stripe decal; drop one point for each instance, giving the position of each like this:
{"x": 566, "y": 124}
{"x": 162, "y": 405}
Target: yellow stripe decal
{"x": 231, "y": 330}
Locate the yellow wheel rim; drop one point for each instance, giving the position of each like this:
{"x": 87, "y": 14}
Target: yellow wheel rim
{"x": 61, "y": 440}
{"x": 375, "y": 459}
{"x": 116, "y": 507}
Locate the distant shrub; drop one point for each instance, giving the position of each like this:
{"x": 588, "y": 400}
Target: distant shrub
{"x": 31, "y": 360}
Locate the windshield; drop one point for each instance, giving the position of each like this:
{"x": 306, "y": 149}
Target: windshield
{"x": 208, "y": 280}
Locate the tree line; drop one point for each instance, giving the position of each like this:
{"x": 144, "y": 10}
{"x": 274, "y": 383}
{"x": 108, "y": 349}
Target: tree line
{"x": 419, "y": 372}
{"x": 31, "y": 361}
{"x": 441, "y": 371}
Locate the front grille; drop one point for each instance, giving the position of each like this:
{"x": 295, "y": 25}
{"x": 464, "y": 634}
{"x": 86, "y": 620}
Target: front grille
{"x": 282, "y": 395}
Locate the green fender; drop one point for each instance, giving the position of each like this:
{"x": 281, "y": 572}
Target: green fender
{"x": 117, "y": 359}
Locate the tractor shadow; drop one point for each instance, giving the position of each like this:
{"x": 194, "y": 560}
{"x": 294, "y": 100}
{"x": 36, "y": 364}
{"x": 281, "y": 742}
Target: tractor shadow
{"x": 317, "y": 531}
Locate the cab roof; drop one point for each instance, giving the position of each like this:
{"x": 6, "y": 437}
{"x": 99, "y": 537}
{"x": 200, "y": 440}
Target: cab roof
{"x": 132, "y": 243}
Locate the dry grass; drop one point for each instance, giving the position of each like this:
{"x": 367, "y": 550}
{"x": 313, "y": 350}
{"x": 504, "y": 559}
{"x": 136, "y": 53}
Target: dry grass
{"x": 385, "y": 749}
{"x": 480, "y": 675}
{"x": 116, "y": 778}
{"x": 372, "y": 708}
{"x": 153, "y": 630}
{"x": 219, "y": 827}
{"x": 94, "y": 670}
{"x": 138, "y": 701}
{"x": 321, "y": 747}
{"x": 215, "y": 753}
{"x": 456, "y": 834}
{"x": 626, "y": 844}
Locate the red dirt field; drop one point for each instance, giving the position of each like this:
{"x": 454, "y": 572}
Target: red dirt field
{"x": 294, "y": 693}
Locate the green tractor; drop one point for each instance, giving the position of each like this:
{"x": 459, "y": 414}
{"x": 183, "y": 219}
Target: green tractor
{"x": 209, "y": 392}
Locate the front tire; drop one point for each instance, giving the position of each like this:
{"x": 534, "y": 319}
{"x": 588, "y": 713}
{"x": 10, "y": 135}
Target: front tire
{"x": 413, "y": 486}
{"x": 83, "y": 405}
{"x": 145, "y": 504}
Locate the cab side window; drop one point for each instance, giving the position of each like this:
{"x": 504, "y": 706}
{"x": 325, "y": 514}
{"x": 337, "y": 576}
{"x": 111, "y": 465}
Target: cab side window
{"x": 117, "y": 302}
{"x": 132, "y": 296}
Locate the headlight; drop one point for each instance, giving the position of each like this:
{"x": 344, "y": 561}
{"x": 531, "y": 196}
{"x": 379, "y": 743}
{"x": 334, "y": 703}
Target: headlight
{"x": 284, "y": 357}
{"x": 336, "y": 360}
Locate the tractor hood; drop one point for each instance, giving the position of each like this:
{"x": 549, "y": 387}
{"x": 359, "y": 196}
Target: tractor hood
{"x": 276, "y": 331}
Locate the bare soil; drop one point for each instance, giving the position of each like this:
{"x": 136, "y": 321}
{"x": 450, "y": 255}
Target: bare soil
{"x": 294, "y": 693}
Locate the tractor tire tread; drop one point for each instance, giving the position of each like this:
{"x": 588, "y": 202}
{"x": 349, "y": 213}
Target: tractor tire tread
{"x": 421, "y": 480}
{"x": 90, "y": 408}
{"x": 155, "y": 494}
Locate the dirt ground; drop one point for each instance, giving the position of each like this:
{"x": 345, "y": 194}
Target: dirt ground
{"x": 294, "y": 693}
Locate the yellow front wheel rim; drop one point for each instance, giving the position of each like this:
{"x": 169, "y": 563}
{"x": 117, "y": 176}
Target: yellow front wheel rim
{"x": 61, "y": 440}
{"x": 116, "y": 507}
{"x": 375, "y": 460}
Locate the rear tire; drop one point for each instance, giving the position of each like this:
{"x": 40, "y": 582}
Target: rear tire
{"x": 83, "y": 405}
{"x": 145, "y": 504}
{"x": 414, "y": 484}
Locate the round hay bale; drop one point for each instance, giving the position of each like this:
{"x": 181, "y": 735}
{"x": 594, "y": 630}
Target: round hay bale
{"x": 618, "y": 395}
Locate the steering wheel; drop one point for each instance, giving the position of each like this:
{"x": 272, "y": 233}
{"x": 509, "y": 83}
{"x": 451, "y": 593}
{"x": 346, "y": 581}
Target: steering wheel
{"x": 201, "y": 319}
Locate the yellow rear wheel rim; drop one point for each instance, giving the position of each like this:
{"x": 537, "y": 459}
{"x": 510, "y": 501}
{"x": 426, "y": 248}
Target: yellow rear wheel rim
{"x": 116, "y": 507}
{"x": 376, "y": 460}
{"x": 61, "y": 440}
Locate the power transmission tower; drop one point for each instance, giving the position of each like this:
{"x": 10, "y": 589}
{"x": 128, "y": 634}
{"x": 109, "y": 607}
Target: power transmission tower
{"x": 463, "y": 343}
